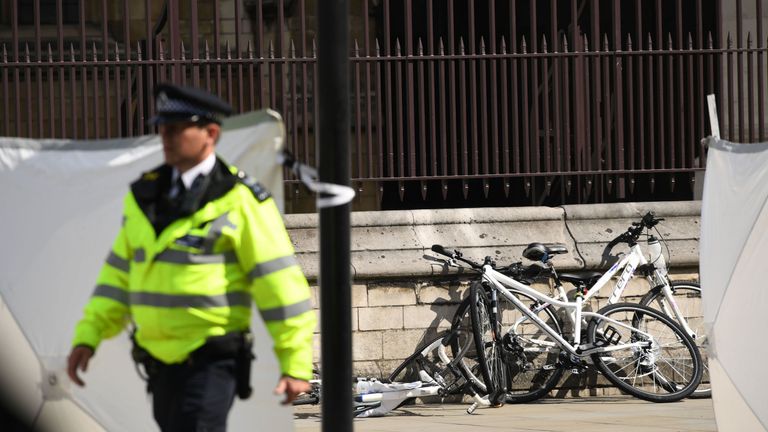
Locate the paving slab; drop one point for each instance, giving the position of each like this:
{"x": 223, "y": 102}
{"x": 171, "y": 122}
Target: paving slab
{"x": 594, "y": 414}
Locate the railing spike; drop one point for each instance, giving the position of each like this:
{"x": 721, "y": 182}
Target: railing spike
{"x": 117, "y": 52}
{"x": 749, "y": 40}
{"x": 50, "y": 53}
{"x": 26, "y": 52}
{"x": 524, "y": 46}
{"x": 629, "y": 42}
{"x": 161, "y": 50}
{"x": 669, "y": 41}
{"x": 95, "y": 54}
{"x": 690, "y": 41}
{"x": 293, "y": 49}
{"x": 72, "y": 52}
{"x": 606, "y": 48}
{"x": 730, "y": 41}
{"x": 586, "y": 42}
{"x": 482, "y": 45}
{"x": 503, "y": 45}
{"x": 314, "y": 48}
{"x": 565, "y": 43}
{"x": 397, "y": 47}
{"x": 228, "y": 50}
{"x": 356, "y": 49}
{"x": 5, "y": 54}
{"x": 377, "y": 48}
{"x": 138, "y": 50}
{"x": 709, "y": 37}
{"x": 544, "y": 44}
{"x": 441, "y": 46}
{"x": 271, "y": 49}
{"x": 207, "y": 50}
{"x": 461, "y": 46}
{"x": 249, "y": 49}
{"x": 183, "y": 53}
{"x": 650, "y": 42}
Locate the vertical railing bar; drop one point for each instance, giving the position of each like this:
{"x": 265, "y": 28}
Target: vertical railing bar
{"x": 485, "y": 154}
{"x": 95, "y": 73}
{"x": 410, "y": 116}
{"x": 272, "y": 76}
{"x": 680, "y": 147}
{"x": 51, "y": 97}
{"x": 700, "y": 99}
{"x": 38, "y": 70}
{"x": 729, "y": 61}
{"x": 588, "y": 80}
{"x": 105, "y": 71}
{"x": 667, "y": 152}
{"x": 443, "y": 115}
{"x": 536, "y": 95}
{"x": 16, "y": 77}
{"x": 596, "y": 155}
{"x": 72, "y": 89}
{"x": 62, "y": 80}
{"x": 280, "y": 67}
{"x": 494, "y": 90}
{"x": 379, "y": 112}
{"x": 118, "y": 93}
{"x": 648, "y": 158}
{"x": 141, "y": 120}
{"x": 618, "y": 68}
{"x": 6, "y": 103}
{"x": 175, "y": 42}
{"x": 525, "y": 86}
{"x": 760, "y": 73}
{"x": 370, "y": 121}
{"x": 513, "y": 82}
{"x": 217, "y": 45}
{"x": 294, "y": 96}
{"x": 505, "y": 144}
{"x": 83, "y": 70}
{"x": 228, "y": 75}
{"x": 388, "y": 93}
{"x": 690, "y": 108}
{"x": 545, "y": 99}
{"x": 579, "y": 127}
{"x": 316, "y": 97}
{"x": 740, "y": 67}
{"x": 750, "y": 89}
{"x": 452, "y": 65}
{"x": 630, "y": 156}
{"x": 640, "y": 89}
{"x": 28, "y": 88}
{"x": 566, "y": 78}
{"x": 422, "y": 110}
{"x": 433, "y": 133}
{"x": 358, "y": 147}
{"x": 556, "y": 84}
{"x": 606, "y": 117}
{"x": 150, "y": 38}
{"x": 473, "y": 141}
{"x": 400, "y": 137}
{"x": 195, "y": 42}
{"x": 463, "y": 111}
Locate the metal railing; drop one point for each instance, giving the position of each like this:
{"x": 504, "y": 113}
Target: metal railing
{"x": 453, "y": 103}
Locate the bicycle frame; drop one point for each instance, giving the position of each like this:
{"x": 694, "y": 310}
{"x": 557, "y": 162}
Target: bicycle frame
{"x": 500, "y": 283}
{"x": 629, "y": 263}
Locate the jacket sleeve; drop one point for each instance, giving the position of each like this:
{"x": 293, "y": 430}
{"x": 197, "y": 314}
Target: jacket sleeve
{"x": 278, "y": 286}
{"x": 106, "y": 313}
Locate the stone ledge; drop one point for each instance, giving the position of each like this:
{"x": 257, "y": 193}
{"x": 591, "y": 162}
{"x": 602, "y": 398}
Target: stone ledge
{"x": 393, "y": 243}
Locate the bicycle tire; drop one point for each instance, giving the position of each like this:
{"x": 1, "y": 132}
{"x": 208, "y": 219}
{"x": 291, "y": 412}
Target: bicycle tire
{"x": 687, "y": 295}
{"x": 532, "y": 356}
{"x": 666, "y": 370}
{"x": 486, "y": 332}
{"x": 426, "y": 364}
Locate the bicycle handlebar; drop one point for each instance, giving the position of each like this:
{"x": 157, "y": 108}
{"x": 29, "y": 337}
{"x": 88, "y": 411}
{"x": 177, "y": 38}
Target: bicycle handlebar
{"x": 456, "y": 255}
{"x": 649, "y": 220}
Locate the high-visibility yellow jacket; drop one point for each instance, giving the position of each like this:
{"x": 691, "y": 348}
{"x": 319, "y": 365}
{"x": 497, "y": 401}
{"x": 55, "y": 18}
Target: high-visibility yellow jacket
{"x": 200, "y": 275}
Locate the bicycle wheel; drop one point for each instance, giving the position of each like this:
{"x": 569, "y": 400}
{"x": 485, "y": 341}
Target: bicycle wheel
{"x": 660, "y": 363}
{"x": 436, "y": 363}
{"x": 687, "y": 296}
{"x": 531, "y": 355}
{"x": 485, "y": 329}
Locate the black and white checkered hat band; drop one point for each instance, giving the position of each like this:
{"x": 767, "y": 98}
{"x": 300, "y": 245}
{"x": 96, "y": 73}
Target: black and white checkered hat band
{"x": 177, "y": 106}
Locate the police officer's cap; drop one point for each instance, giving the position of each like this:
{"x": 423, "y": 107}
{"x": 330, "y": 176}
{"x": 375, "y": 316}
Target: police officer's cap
{"x": 176, "y": 103}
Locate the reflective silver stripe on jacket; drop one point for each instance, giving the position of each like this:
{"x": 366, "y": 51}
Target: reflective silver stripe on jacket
{"x": 285, "y": 312}
{"x": 265, "y": 268}
{"x": 117, "y": 262}
{"x": 239, "y": 298}
{"x": 215, "y": 232}
{"x": 184, "y": 257}
{"x": 138, "y": 255}
{"x": 111, "y": 292}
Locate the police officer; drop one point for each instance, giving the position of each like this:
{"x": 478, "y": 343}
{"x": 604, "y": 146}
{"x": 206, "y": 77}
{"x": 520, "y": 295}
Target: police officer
{"x": 200, "y": 241}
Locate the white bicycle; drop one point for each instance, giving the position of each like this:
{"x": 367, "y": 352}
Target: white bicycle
{"x": 678, "y": 300}
{"x": 521, "y": 355}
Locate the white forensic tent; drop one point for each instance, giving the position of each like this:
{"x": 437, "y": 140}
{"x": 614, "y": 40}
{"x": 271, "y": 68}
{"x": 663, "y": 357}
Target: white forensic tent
{"x": 61, "y": 208}
{"x": 734, "y": 235}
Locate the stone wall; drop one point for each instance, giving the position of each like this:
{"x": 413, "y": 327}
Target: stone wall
{"x": 399, "y": 298}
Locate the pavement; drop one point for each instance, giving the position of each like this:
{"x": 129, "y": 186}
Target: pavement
{"x": 593, "y": 414}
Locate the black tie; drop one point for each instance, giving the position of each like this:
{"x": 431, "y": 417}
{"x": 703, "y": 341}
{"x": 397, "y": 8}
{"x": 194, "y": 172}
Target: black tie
{"x": 190, "y": 199}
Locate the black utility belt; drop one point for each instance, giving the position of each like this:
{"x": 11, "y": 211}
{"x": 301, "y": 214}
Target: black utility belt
{"x": 234, "y": 345}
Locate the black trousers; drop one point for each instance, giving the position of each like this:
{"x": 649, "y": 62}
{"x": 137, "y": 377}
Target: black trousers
{"x": 193, "y": 397}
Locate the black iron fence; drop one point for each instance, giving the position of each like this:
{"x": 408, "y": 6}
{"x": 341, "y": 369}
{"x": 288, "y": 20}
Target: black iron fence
{"x": 454, "y": 103}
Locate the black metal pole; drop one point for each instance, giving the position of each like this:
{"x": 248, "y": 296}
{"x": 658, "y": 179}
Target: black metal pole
{"x": 334, "y": 156}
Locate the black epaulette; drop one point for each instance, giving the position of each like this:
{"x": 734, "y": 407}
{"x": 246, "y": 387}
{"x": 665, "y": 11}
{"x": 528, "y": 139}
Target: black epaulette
{"x": 259, "y": 191}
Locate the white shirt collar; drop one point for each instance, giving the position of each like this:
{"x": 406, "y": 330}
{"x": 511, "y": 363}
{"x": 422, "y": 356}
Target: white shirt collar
{"x": 203, "y": 168}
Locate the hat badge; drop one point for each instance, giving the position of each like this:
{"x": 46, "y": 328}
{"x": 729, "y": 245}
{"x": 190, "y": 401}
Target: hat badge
{"x": 162, "y": 101}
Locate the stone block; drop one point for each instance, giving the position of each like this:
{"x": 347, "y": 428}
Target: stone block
{"x": 399, "y": 344}
{"x": 359, "y": 295}
{"x": 443, "y": 293}
{"x": 367, "y": 345}
{"x": 428, "y": 316}
{"x": 380, "y": 318}
{"x": 390, "y": 295}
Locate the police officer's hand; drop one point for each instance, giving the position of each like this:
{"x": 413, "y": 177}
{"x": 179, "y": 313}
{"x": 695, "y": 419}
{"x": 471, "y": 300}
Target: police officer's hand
{"x": 78, "y": 359}
{"x": 291, "y": 387}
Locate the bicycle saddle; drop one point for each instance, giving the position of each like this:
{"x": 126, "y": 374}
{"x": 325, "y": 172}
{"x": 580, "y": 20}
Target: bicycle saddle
{"x": 542, "y": 252}
{"x": 587, "y": 277}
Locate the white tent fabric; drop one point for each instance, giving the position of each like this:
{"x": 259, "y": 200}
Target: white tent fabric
{"x": 61, "y": 208}
{"x": 734, "y": 234}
